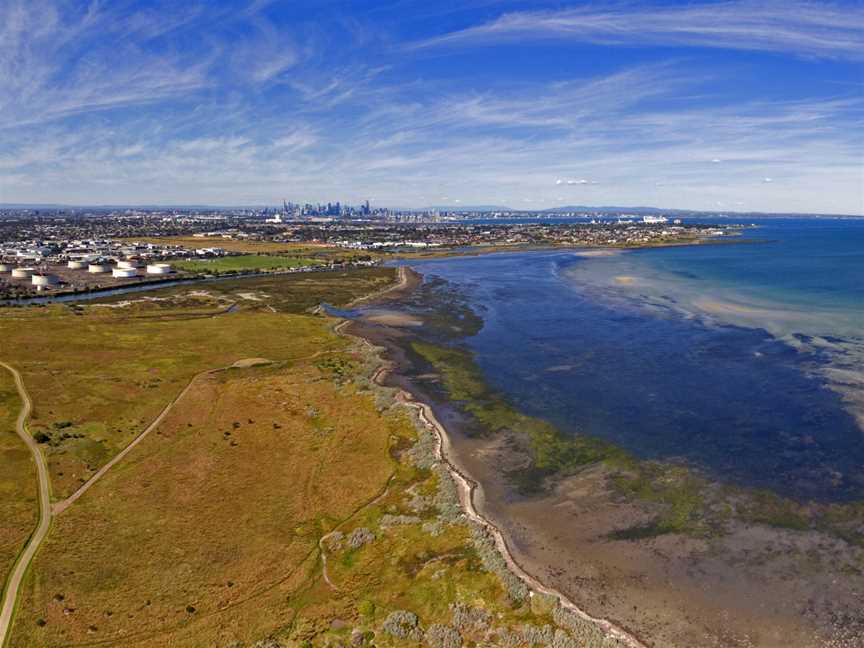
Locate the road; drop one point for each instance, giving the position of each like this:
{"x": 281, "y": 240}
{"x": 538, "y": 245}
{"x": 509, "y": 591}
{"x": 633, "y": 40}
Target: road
{"x": 10, "y": 595}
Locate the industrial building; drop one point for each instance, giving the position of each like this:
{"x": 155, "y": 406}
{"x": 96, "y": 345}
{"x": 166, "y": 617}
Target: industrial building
{"x": 43, "y": 280}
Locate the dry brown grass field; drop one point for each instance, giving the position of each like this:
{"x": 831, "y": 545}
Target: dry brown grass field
{"x": 18, "y": 502}
{"x": 99, "y": 375}
{"x": 279, "y": 503}
{"x": 210, "y": 527}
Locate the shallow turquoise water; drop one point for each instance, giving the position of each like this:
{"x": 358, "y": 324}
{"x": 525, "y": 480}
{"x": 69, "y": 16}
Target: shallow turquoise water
{"x": 739, "y": 360}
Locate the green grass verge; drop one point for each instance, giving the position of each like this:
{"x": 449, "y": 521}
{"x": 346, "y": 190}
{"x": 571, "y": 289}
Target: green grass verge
{"x": 245, "y": 262}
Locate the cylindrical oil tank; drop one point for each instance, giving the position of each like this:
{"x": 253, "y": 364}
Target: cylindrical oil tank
{"x": 76, "y": 265}
{"x": 45, "y": 280}
{"x": 6, "y": 267}
{"x": 98, "y": 268}
{"x": 22, "y": 273}
{"x": 159, "y": 268}
{"x": 128, "y": 263}
{"x": 124, "y": 273}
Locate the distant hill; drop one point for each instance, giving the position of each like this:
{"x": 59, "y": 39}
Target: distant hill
{"x": 612, "y": 208}
{"x": 464, "y": 208}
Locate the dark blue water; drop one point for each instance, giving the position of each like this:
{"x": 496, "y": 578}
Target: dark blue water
{"x": 808, "y": 261}
{"x": 744, "y": 405}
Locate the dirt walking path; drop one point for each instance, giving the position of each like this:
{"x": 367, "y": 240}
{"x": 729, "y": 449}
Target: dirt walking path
{"x": 10, "y": 595}
{"x": 61, "y": 506}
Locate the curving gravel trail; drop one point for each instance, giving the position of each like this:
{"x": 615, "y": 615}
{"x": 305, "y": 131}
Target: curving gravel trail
{"x": 10, "y": 594}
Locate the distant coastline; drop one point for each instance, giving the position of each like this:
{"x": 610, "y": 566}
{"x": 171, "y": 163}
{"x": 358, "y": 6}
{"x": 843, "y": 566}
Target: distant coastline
{"x": 784, "y": 522}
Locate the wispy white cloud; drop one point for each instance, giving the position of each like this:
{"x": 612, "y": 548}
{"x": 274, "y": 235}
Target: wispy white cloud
{"x": 252, "y": 113}
{"x": 56, "y": 63}
{"x": 821, "y": 29}
{"x": 403, "y": 149}
{"x": 58, "y": 60}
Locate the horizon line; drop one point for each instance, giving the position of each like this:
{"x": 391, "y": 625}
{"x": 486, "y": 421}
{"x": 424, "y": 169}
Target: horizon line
{"x": 453, "y": 208}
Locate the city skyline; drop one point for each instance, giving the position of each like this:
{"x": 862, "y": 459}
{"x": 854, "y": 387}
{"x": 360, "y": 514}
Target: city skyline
{"x": 733, "y": 106}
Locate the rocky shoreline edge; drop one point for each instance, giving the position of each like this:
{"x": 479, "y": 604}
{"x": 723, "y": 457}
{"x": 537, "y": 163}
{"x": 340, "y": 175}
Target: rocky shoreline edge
{"x": 519, "y": 581}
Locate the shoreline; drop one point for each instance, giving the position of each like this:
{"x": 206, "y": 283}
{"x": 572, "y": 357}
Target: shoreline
{"x": 404, "y": 281}
{"x": 467, "y": 487}
{"x": 482, "y": 250}
{"x": 681, "y": 588}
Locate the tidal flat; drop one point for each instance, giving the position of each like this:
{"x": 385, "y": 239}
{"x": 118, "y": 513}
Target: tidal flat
{"x": 702, "y": 491}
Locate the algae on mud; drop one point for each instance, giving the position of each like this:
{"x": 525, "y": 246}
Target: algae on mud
{"x": 685, "y": 500}
{"x": 654, "y": 530}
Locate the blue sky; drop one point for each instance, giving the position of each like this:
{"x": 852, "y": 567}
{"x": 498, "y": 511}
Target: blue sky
{"x": 732, "y": 106}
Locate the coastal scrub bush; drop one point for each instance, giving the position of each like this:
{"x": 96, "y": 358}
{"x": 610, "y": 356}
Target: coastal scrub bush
{"x": 403, "y": 624}
{"x": 564, "y": 640}
{"x": 388, "y": 520}
{"x": 360, "y": 537}
{"x": 468, "y": 618}
{"x": 334, "y": 540}
{"x": 423, "y": 452}
{"x": 534, "y": 635}
{"x": 418, "y": 503}
{"x": 495, "y": 563}
{"x": 504, "y": 637}
{"x": 585, "y": 632}
{"x": 447, "y": 498}
{"x": 442, "y": 636}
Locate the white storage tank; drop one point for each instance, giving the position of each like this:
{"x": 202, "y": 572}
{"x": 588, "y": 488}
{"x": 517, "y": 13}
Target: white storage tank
{"x": 128, "y": 264}
{"x": 98, "y": 268}
{"x": 76, "y": 265}
{"x": 22, "y": 273}
{"x": 159, "y": 268}
{"x": 42, "y": 280}
{"x": 6, "y": 267}
{"x": 124, "y": 273}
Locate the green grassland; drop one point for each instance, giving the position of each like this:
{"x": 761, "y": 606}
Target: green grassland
{"x": 292, "y": 293}
{"x": 289, "y": 503}
{"x": 245, "y": 263}
{"x": 19, "y": 507}
{"x": 247, "y": 246}
{"x": 317, "y": 251}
